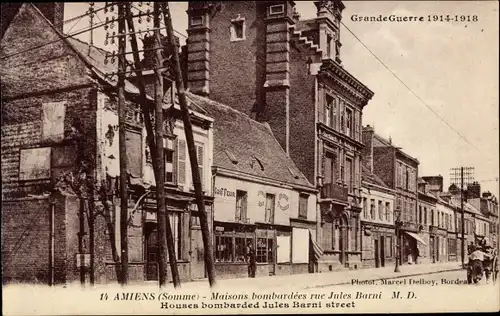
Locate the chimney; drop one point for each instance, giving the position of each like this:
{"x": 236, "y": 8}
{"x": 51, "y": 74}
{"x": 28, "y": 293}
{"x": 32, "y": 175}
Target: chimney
{"x": 367, "y": 138}
{"x": 54, "y": 12}
{"x": 329, "y": 14}
{"x": 279, "y": 18}
{"x": 198, "y": 46}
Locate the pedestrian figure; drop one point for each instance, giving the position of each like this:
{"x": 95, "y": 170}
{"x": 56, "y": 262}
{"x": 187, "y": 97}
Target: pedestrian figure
{"x": 252, "y": 265}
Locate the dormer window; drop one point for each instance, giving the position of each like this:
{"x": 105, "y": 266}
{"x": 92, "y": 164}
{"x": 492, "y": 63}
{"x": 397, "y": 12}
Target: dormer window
{"x": 238, "y": 29}
{"x": 277, "y": 9}
{"x": 197, "y": 20}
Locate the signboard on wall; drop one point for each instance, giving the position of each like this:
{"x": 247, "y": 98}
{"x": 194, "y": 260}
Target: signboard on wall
{"x": 300, "y": 245}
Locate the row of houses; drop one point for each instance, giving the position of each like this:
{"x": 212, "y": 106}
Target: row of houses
{"x": 286, "y": 163}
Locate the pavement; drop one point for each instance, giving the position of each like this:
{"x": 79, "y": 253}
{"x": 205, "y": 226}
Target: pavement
{"x": 325, "y": 279}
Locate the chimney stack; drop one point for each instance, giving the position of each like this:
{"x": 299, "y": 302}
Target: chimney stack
{"x": 54, "y": 12}
{"x": 367, "y": 138}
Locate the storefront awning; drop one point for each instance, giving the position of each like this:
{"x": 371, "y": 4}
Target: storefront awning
{"x": 318, "y": 252}
{"x": 417, "y": 237}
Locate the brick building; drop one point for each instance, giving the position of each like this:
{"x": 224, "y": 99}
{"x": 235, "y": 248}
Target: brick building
{"x": 400, "y": 172}
{"x": 260, "y": 58}
{"x": 59, "y": 163}
{"x": 377, "y": 222}
{"x": 260, "y": 198}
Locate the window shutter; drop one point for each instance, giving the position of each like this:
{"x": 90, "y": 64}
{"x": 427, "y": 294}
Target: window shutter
{"x": 243, "y": 215}
{"x": 200, "y": 157}
{"x": 181, "y": 162}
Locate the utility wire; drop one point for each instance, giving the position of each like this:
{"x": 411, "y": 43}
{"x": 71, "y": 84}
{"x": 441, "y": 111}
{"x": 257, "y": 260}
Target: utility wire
{"x": 409, "y": 89}
{"x": 162, "y": 22}
{"x": 78, "y": 32}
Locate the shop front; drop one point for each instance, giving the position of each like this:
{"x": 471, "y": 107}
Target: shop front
{"x": 378, "y": 245}
{"x": 266, "y": 219}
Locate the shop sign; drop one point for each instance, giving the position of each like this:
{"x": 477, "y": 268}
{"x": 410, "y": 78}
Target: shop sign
{"x": 283, "y": 203}
{"x": 224, "y": 192}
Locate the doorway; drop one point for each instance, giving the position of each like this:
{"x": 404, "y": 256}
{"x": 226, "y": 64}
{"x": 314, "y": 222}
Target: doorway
{"x": 151, "y": 251}
{"x": 377, "y": 259}
{"x": 382, "y": 251}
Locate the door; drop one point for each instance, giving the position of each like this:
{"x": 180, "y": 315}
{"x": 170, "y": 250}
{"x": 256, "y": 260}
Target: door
{"x": 432, "y": 250}
{"x": 196, "y": 253}
{"x": 151, "y": 253}
{"x": 437, "y": 249}
{"x": 382, "y": 251}
{"x": 377, "y": 259}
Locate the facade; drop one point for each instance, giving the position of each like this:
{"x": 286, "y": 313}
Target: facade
{"x": 293, "y": 81}
{"x": 488, "y": 205}
{"x": 260, "y": 197}
{"x": 60, "y": 161}
{"x": 425, "y": 217}
{"x": 378, "y": 239}
{"x": 400, "y": 172}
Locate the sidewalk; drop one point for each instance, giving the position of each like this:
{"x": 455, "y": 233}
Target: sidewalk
{"x": 319, "y": 280}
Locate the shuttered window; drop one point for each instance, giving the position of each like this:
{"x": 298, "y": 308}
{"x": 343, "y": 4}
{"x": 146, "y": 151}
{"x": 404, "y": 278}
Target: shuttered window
{"x": 181, "y": 161}
{"x": 133, "y": 143}
{"x": 200, "y": 152}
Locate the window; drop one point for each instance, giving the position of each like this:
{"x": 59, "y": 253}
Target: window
{"x": 181, "y": 161}
{"x": 241, "y": 206}
{"x": 200, "y": 152}
{"x": 400, "y": 175}
{"x": 329, "y": 40}
{"x": 380, "y": 211}
{"x": 269, "y": 216}
{"x": 356, "y": 125}
{"x": 231, "y": 246}
{"x": 53, "y": 115}
{"x": 303, "y": 205}
{"x": 420, "y": 214}
{"x": 196, "y": 20}
{"x": 350, "y": 124}
{"x": 405, "y": 211}
{"x": 389, "y": 246}
{"x": 170, "y": 163}
{"x": 276, "y": 9}
{"x": 264, "y": 253}
{"x": 224, "y": 249}
{"x": 330, "y": 172}
{"x": 34, "y": 164}
{"x": 349, "y": 175}
{"x": 330, "y": 111}
{"x": 175, "y": 225}
{"x": 388, "y": 211}
{"x": 365, "y": 208}
{"x": 372, "y": 209}
{"x": 425, "y": 216}
{"x": 238, "y": 29}
{"x": 342, "y": 124}
{"x": 327, "y": 232}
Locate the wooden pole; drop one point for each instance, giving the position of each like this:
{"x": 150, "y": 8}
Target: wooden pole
{"x": 188, "y": 128}
{"x": 122, "y": 146}
{"x": 462, "y": 210}
{"x": 165, "y": 236}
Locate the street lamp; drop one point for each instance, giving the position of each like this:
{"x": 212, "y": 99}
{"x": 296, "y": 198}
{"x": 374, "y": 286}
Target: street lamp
{"x": 397, "y": 224}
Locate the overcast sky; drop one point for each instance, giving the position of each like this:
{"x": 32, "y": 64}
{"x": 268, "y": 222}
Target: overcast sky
{"x": 452, "y": 66}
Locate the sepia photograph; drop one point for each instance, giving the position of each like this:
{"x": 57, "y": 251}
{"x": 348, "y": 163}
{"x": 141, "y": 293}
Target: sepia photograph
{"x": 249, "y": 157}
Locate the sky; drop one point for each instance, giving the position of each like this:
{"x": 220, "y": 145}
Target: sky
{"x": 451, "y": 66}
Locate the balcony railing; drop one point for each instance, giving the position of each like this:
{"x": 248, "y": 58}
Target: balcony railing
{"x": 334, "y": 191}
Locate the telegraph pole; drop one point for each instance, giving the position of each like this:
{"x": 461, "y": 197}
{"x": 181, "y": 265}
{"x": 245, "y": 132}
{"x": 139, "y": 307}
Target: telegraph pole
{"x": 164, "y": 228}
{"x": 188, "y": 128}
{"x": 462, "y": 210}
{"x": 165, "y": 236}
{"x": 122, "y": 145}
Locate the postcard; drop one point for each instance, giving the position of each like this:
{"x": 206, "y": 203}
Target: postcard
{"x": 249, "y": 157}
